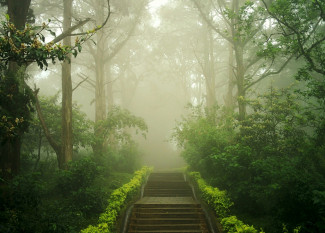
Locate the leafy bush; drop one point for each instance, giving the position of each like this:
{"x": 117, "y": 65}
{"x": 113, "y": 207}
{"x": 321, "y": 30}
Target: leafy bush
{"x": 216, "y": 199}
{"x": 220, "y": 203}
{"x": 233, "y": 225}
{"x": 271, "y": 163}
{"x": 202, "y": 134}
{"x": 79, "y": 174}
{"x": 119, "y": 199}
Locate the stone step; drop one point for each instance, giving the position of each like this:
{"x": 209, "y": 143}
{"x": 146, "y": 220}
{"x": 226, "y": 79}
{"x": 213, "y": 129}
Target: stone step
{"x": 167, "y": 206}
{"x": 169, "y": 221}
{"x": 166, "y": 211}
{"x": 146, "y": 214}
{"x": 167, "y": 183}
{"x": 165, "y": 227}
{"x": 167, "y": 191}
{"x": 169, "y": 231}
{"x": 168, "y": 195}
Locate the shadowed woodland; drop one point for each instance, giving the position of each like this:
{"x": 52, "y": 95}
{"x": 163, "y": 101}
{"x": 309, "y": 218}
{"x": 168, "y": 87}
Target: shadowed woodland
{"x": 93, "y": 90}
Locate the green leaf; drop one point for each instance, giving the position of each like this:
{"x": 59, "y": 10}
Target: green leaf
{"x": 52, "y": 33}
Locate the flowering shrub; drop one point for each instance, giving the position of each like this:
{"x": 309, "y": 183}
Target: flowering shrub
{"x": 118, "y": 199}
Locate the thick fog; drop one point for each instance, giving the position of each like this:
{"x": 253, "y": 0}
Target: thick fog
{"x": 156, "y": 57}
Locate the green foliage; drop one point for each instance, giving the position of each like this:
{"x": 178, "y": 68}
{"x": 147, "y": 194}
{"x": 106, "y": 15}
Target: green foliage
{"x": 270, "y": 164}
{"x": 78, "y": 175}
{"x": 215, "y": 198}
{"x": 119, "y": 199}
{"x": 220, "y": 203}
{"x": 28, "y": 45}
{"x": 203, "y": 134}
{"x": 276, "y": 124}
{"x": 117, "y": 123}
{"x": 35, "y": 139}
{"x": 247, "y": 20}
{"x": 14, "y": 92}
{"x": 233, "y": 225}
{"x": 301, "y": 29}
{"x": 51, "y": 109}
{"x": 57, "y": 200}
{"x": 126, "y": 159}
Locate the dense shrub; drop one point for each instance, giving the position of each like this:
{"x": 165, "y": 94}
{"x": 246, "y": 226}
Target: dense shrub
{"x": 215, "y": 198}
{"x": 119, "y": 199}
{"x": 57, "y": 201}
{"x": 270, "y": 163}
{"x": 233, "y": 225}
{"x": 220, "y": 202}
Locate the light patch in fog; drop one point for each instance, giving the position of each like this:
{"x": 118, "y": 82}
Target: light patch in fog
{"x": 153, "y": 8}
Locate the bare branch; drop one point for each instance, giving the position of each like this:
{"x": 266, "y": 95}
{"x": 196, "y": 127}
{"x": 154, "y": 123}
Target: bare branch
{"x": 99, "y": 27}
{"x": 121, "y": 44}
{"x": 266, "y": 74}
{"x": 208, "y": 21}
{"x": 84, "y": 80}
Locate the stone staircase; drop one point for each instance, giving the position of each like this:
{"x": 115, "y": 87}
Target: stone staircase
{"x": 167, "y": 185}
{"x": 167, "y": 206}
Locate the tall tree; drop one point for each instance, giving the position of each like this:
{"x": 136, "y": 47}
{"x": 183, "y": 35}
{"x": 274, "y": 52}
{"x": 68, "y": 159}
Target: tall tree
{"x": 241, "y": 23}
{"x": 67, "y": 148}
{"x": 17, "y": 11}
{"x": 109, "y": 42}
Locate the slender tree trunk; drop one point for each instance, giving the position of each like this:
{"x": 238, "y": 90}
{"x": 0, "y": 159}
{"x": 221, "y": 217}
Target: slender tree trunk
{"x": 109, "y": 90}
{"x": 67, "y": 146}
{"x": 209, "y": 72}
{"x": 240, "y": 68}
{"x": 229, "y": 99}
{"x": 240, "y": 72}
{"x": 100, "y": 97}
{"x": 39, "y": 147}
{"x": 56, "y": 147}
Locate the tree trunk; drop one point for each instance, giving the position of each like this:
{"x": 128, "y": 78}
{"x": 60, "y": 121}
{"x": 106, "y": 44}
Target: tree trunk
{"x": 67, "y": 146}
{"x": 240, "y": 68}
{"x": 56, "y": 147}
{"x": 109, "y": 90}
{"x": 229, "y": 99}
{"x": 240, "y": 72}
{"x": 209, "y": 72}
{"x": 100, "y": 97}
{"x": 17, "y": 11}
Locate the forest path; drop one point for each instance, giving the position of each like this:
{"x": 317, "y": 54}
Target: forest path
{"x": 167, "y": 206}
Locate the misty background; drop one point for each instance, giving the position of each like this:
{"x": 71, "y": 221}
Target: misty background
{"x": 156, "y": 69}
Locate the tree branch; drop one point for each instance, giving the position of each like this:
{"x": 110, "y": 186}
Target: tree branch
{"x": 80, "y": 24}
{"x": 210, "y": 23}
{"x": 266, "y": 74}
{"x": 68, "y": 32}
{"x": 84, "y": 80}
{"x": 56, "y": 147}
{"x": 120, "y": 45}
